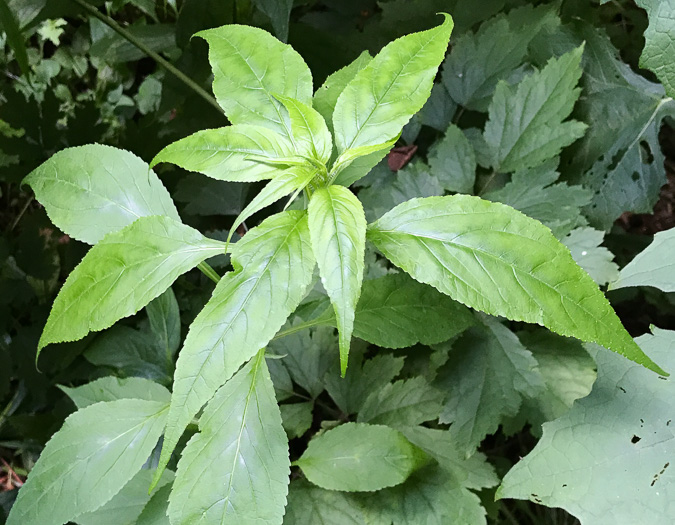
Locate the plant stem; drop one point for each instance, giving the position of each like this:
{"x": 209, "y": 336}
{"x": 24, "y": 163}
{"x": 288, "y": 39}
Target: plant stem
{"x": 209, "y": 272}
{"x": 155, "y": 56}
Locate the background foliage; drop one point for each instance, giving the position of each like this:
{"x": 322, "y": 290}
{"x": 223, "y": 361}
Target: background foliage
{"x": 472, "y": 394}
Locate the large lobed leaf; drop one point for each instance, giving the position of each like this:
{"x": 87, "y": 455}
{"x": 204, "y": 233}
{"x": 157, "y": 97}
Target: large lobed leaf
{"x": 250, "y": 66}
{"x": 90, "y": 191}
{"x": 235, "y": 470}
{"x": 96, "y": 452}
{"x": 123, "y": 273}
{"x": 609, "y": 460}
{"x": 495, "y": 259}
{"x": 385, "y": 94}
{"x": 226, "y": 333}
{"x": 337, "y": 226}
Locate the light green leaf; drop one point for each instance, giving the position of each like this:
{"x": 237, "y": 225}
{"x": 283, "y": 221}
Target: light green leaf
{"x": 222, "y": 337}
{"x": 533, "y": 192}
{"x": 525, "y": 125}
{"x": 657, "y": 54}
{"x": 96, "y": 452}
{"x": 127, "y": 505}
{"x": 360, "y": 457}
{"x": 568, "y": 372}
{"x": 249, "y": 66}
{"x": 164, "y": 318}
{"x": 396, "y": 311}
{"x": 113, "y": 388}
{"x": 453, "y": 161}
{"x": 278, "y": 12}
{"x": 488, "y": 373}
{"x": 297, "y": 418}
{"x": 311, "y": 135}
{"x": 337, "y": 225}
{"x": 308, "y": 356}
{"x": 90, "y": 191}
{"x": 651, "y": 267}
{"x": 429, "y": 496}
{"x": 293, "y": 179}
{"x": 156, "y": 511}
{"x": 478, "y": 61}
{"x": 310, "y": 505}
{"x": 493, "y": 258}
{"x": 131, "y": 352}
{"x": 234, "y": 153}
{"x": 123, "y": 273}
{"x": 384, "y": 95}
{"x": 350, "y": 392}
{"x": 361, "y": 166}
{"x": 235, "y": 470}
{"x": 403, "y": 403}
{"x": 609, "y": 460}
{"x": 326, "y": 96}
{"x": 585, "y": 245}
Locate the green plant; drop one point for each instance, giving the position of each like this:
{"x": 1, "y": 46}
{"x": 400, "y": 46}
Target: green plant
{"x": 483, "y": 254}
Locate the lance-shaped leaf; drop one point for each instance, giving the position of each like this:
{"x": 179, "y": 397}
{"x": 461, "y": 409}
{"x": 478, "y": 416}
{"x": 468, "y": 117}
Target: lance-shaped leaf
{"x": 90, "y": 191}
{"x": 113, "y": 388}
{"x": 659, "y": 37}
{"x": 224, "y": 335}
{"x": 122, "y": 274}
{"x": 96, "y": 452}
{"x": 525, "y": 126}
{"x": 337, "y": 224}
{"x": 164, "y": 319}
{"x": 249, "y": 65}
{"x": 495, "y": 259}
{"x": 652, "y": 267}
{"x": 384, "y": 95}
{"x": 326, "y": 96}
{"x": 294, "y": 179}
{"x": 360, "y": 457}
{"x": 311, "y": 135}
{"x": 234, "y": 153}
{"x": 236, "y": 469}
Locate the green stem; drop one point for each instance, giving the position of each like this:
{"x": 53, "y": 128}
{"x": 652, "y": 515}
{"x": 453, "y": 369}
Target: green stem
{"x": 209, "y": 272}
{"x": 155, "y": 56}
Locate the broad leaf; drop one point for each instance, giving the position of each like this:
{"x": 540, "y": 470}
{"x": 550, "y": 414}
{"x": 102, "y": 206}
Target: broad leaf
{"x": 222, "y": 337}
{"x": 360, "y": 457}
{"x": 310, "y": 133}
{"x": 278, "y": 12}
{"x": 585, "y": 245}
{"x": 310, "y": 505}
{"x": 488, "y": 373}
{"x": 235, "y": 153}
{"x": 297, "y": 418}
{"x": 113, "y": 388}
{"x": 493, "y": 258}
{"x": 164, "y": 318}
{"x": 609, "y": 459}
{"x": 90, "y": 191}
{"x": 403, "y": 403}
{"x": 235, "y": 470}
{"x": 659, "y": 47}
{"x": 96, "y": 452}
{"x": 127, "y": 505}
{"x": 525, "y": 125}
{"x": 652, "y": 267}
{"x": 396, "y": 311}
{"x": 350, "y": 392}
{"x": 155, "y": 512}
{"x": 337, "y": 225}
{"x": 384, "y": 95}
{"x": 534, "y": 192}
{"x": 292, "y": 180}
{"x": 249, "y": 66}
{"x": 123, "y": 273}
{"x": 326, "y": 96}
{"x": 453, "y": 162}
